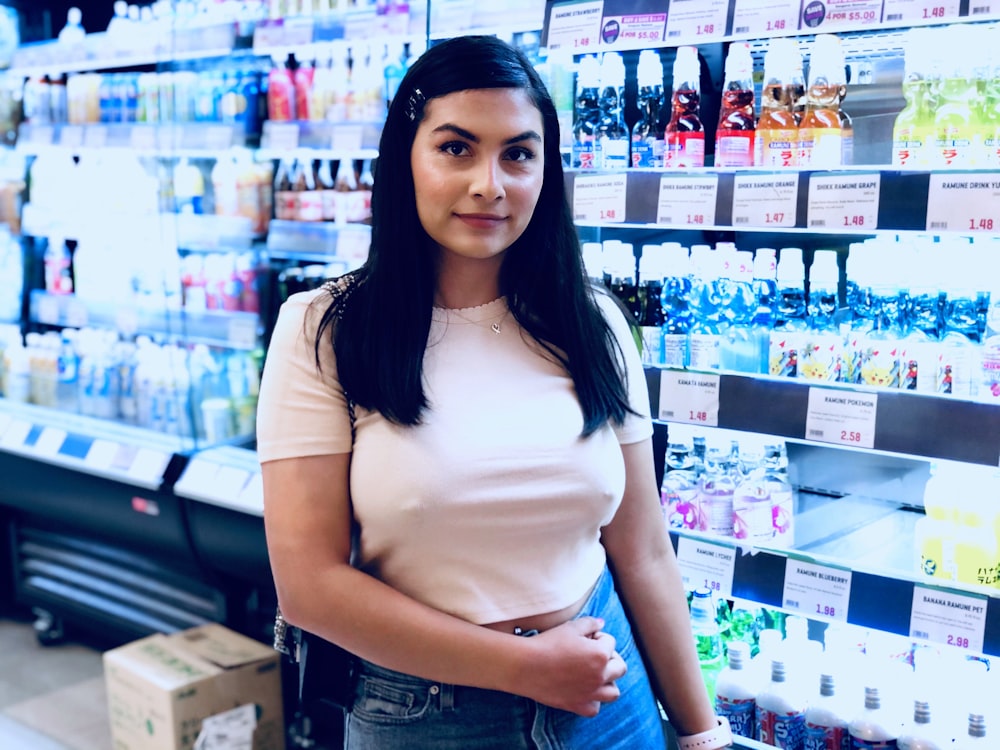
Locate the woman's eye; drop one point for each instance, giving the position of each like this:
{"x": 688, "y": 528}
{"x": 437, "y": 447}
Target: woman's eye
{"x": 520, "y": 154}
{"x": 454, "y": 148}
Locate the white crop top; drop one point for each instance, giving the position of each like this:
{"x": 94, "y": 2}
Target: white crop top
{"x": 492, "y": 508}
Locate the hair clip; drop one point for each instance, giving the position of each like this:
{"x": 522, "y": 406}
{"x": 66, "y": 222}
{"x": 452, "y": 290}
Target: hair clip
{"x": 415, "y": 104}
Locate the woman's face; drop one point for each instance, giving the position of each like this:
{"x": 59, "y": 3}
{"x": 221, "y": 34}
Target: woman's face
{"x": 477, "y": 164}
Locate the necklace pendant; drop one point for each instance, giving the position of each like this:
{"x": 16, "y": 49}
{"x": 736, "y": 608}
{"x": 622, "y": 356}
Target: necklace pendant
{"x": 496, "y": 328}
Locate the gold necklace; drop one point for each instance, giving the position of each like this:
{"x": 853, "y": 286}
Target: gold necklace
{"x": 495, "y": 326}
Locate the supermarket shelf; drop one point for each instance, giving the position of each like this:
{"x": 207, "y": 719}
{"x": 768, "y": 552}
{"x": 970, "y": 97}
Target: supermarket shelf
{"x": 325, "y": 240}
{"x": 231, "y": 329}
{"x": 88, "y": 445}
{"x": 908, "y": 424}
{"x": 227, "y": 477}
{"x": 848, "y": 200}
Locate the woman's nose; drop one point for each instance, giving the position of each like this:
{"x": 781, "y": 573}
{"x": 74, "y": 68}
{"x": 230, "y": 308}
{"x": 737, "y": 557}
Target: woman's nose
{"x": 487, "y": 180}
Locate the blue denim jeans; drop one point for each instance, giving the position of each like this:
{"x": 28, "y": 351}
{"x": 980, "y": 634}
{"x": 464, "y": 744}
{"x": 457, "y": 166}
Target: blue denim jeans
{"x": 394, "y": 711}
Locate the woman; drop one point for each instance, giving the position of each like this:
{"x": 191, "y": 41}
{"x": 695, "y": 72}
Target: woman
{"x": 500, "y": 468}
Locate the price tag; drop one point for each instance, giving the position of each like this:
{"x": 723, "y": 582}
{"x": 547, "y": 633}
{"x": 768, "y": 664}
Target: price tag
{"x": 96, "y": 136}
{"x": 359, "y": 24}
{"x": 71, "y": 136}
{"x": 963, "y": 202}
{"x": 948, "y": 618}
{"x": 101, "y": 454}
{"x": 687, "y": 201}
{"x": 281, "y": 136}
{"x": 352, "y": 245}
{"x": 847, "y": 201}
{"x": 143, "y": 138}
{"x": 696, "y": 20}
{"x": 198, "y": 477}
{"x": 765, "y": 200}
{"x": 229, "y": 482}
{"x": 917, "y": 11}
{"x": 599, "y": 198}
{"x": 47, "y": 309}
{"x": 253, "y": 494}
{"x": 576, "y": 26}
{"x": 218, "y": 137}
{"x": 347, "y": 137}
{"x": 704, "y": 564}
{"x": 148, "y": 465}
{"x": 689, "y": 396}
{"x": 816, "y": 590}
{"x": 242, "y": 331}
{"x": 632, "y": 31}
{"x": 299, "y": 31}
{"x": 50, "y": 441}
{"x": 15, "y": 434}
{"x": 268, "y": 33}
{"x": 41, "y": 135}
{"x": 830, "y": 15}
{"x": 841, "y": 417}
{"x": 761, "y": 17}
{"x": 76, "y": 313}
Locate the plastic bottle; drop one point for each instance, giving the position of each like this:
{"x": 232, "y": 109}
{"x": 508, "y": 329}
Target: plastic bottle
{"x": 752, "y": 516}
{"x": 826, "y": 719}
{"x": 879, "y": 360}
{"x": 715, "y": 495}
{"x": 975, "y": 738}
{"x": 679, "y": 489}
{"x": 707, "y": 638}
{"x": 739, "y": 348}
{"x": 923, "y": 322}
{"x": 820, "y": 132}
{"x": 874, "y": 728}
{"x": 72, "y": 34}
{"x": 821, "y": 357}
{"x": 67, "y": 367}
{"x": 735, "y": 690}
{"x": 612, "y": 136}
{"x": 648, "y": 131}
{"x": 957, "y": 130}
{"x": 934, "y": 534}
{"x": 781, "y": 711}
{"x": 788, "y": 333}
{"x": 685, "y": 134}
{"x": 922, "y": 733}
{"x": 782, "y": 493}
{"x": 913, "y": 140}
{"x": 777, "y": 129}
{"x": 189, "y": 188}
{"x": 650, "y": 293}
{"x": 281, "y": 98}
{"x": 734, "y": 137}
{"x": 704, "y": 335}
{"x": 58, "y": 267}
{"x": 586, "y": 112}
{"x": 676, "y": 305}
{"x": 765, "y": 287}
{"x": 960, "y": 367}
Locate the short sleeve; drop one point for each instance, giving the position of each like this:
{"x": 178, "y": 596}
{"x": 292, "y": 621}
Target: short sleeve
{"x": 301, "y": 410}
{"x": 638, "y": 426}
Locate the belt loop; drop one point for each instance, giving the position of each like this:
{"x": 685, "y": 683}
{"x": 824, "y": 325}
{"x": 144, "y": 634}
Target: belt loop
{"x": 446, "y": 699}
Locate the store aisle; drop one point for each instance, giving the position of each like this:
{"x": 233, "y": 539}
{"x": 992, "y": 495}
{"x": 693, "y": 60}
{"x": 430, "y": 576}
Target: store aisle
{"x": 51, "y": 698}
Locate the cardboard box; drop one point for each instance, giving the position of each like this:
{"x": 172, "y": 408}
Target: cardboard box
{"x": 161, "y": 688}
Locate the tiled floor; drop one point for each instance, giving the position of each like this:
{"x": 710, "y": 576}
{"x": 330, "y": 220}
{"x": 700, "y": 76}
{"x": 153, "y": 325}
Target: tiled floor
{"x": 51, "y": 697}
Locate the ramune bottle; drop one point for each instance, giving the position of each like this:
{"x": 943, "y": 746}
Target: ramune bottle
{"x": 873, "y": 728}
{"x": 587, "y": 113}
{"x": 739, "y": 348}
{"x": 685, "y": 135}
{"x": 821, "y": 357}
{"x": 648, "y": 131}
{"x": 676, "y": 305}
{"x": 734, "y": 137}
{"x": 736, "y": 691}
{"x": 790, "y": 324}
{"x": 826, "y": 722}
{"x": 777, "y": 129}
{"x": 781, "y": 711}
{"x": 651, "y": 274}
{"x": 707, "y": 638}
{"x": 612, "y": 136}
{"x": 820, "y": 132}
{"x": 913, "y": 139}
{"x": 957, "y": 129}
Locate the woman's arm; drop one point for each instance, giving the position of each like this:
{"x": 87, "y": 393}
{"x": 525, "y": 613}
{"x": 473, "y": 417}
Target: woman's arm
{"x": 307, "y": 518}
{"x": 649, "y": 582}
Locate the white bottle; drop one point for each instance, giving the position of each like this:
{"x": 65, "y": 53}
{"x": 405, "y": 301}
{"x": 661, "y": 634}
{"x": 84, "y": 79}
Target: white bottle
{"x": 873, "y": 728}
{"x": 781, "y": 712}
{"x": 975, "y": 739}
{"x": 923, "y": 734}
{"x": 826, "y": 719}
{"x": 72, "y": 33}
{"x": 736, "y": 690}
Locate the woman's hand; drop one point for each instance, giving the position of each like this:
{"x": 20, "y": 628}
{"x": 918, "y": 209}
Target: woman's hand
{"x": 575, "y": 667}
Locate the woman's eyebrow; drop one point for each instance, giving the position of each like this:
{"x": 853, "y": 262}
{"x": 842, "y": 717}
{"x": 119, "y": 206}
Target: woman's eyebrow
{"x": 527, "y": 135}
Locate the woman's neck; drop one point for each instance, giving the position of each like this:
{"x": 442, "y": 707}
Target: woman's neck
{"x": 467, "y": 283}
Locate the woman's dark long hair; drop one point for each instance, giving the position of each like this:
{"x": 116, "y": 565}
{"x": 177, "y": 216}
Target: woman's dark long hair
{"x": 381, "y": 331}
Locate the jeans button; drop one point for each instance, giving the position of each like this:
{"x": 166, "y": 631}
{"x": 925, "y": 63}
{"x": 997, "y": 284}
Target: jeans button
{"x": 435, "y": 690}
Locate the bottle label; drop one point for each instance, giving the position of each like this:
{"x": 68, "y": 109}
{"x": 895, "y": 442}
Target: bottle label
{"x": 956, "y": 150}
{"x": 734, "y": 148}
{"x": 821, "y": 357}
{"x": 989, "y": 385}
{"x": 826, "y": 738}
{"x": 859, "y": 744}
{"x": 715, "y": 513}
{"x": 783, "y": 353}
{"x": 647, "y": 152}
{"x": 652, "y": 345}
{"x": 820, "y": 147}
{"x": 879, "y": 363}
{"x": 613, "y": 153}
{"x": 684, "y": 150}
{"x": 782, "y": 729}
{"x": 752, "y": 517}
{"x": 675, "y": 350}
{"x": 583, "y": 153}
{"x": 956, "y": 370}
{"x": 739, "y": 711}
{"x": 919, "y": 364}
{"x": 704, "y": 351}
{"x": 679, "y": 502}
{"x": 778, "y": 147}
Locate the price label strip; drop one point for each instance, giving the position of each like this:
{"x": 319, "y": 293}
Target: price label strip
{"x": 576, "y": 26}
{"x": 705, "y": 564}
{"x": 982, "y": 9}
{"x": 816, "y": 590}
{"x": 948, "y": 618}
{"x": 822, "y": 16}
{"x": 689, "y": 396}
{"x": 841, "y": 417}
{"x": 281, "y": 136}
{"x": 697, "y": 19}
{"x": 762, "y": 17}
{"x": 920, "y": 11}
{"x": 50, "y": 441}
{"x": 847, "y": 201}
{"x": 963, "y": 202}
{"x": 241, "y": 332}
{"x": 71, "y": 136}
{"x": 599, "y": 198}
{"x": 632, "y": 31}
{"x": 347, "y": 137}
{"x": 687, "y": 201}
{"x": 765, "y": 200}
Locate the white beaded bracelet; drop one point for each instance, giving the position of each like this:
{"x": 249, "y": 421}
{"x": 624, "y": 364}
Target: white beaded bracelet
{"x": 714, "y": 739}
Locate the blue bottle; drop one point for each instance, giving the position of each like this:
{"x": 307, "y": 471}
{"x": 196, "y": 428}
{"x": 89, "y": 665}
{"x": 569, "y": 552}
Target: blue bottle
{"x": 675, "y": 303}
{"x": 587, "y": 112}
{"x": 740, "y": 347}
{"x": 821, "y": 357}
{"x": 790, "y": 324}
